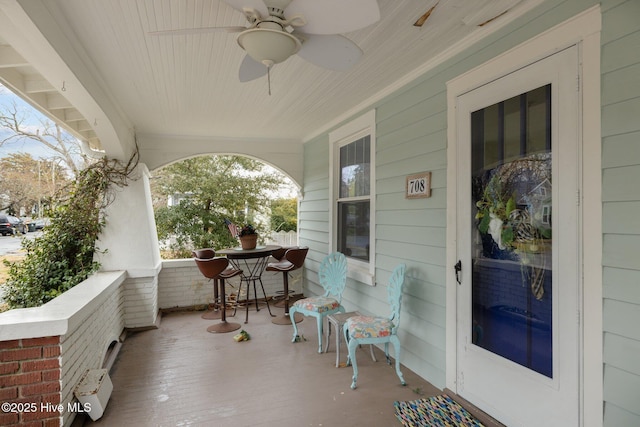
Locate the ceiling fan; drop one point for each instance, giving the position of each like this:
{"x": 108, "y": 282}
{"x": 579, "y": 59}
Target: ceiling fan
{"x": 278, "y": 29}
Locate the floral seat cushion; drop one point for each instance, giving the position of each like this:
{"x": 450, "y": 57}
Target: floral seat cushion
{"x": 369, "y": 327}
{"x": 317, "y": 304}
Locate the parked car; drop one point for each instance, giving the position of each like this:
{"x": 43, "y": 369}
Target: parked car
{"x": 11, "y": 225}
{"x": 18, "y": 225}
{"x": 40, "y": 223}
{"x": 5, "y": 226}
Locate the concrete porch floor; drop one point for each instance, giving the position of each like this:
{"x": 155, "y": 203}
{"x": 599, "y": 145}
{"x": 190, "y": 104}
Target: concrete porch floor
{"x": 180, "y": 375}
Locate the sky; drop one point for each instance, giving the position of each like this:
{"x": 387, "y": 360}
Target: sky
{"x": 32, "y": 118}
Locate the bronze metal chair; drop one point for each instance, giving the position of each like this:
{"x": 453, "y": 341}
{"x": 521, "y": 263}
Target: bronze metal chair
{"x": 205, "y": 253}
{"x": 214, "y": 308}
{"x": 293, "y": 259}
{"x": 278, "y": 254}
{"x": 217, "y": 270}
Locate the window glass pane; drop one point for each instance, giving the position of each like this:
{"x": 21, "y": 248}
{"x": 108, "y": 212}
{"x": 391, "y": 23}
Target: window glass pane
{"x": 353, "y": 229}
{"x": 355, "y": 168}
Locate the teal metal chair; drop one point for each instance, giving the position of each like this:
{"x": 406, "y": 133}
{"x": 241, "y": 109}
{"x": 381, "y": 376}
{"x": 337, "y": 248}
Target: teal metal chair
{"x": 332, "y": 275}
{"x": 377, "y": 330}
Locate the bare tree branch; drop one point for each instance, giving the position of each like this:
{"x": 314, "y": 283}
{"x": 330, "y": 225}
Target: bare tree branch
{"x": 66, "y": 148}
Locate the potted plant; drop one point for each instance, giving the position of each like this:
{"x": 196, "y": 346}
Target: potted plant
{"x": 248, "y": 237}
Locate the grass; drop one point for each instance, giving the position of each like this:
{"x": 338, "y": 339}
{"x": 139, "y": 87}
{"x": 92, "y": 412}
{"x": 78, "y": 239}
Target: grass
{"x": 4, "y": 270}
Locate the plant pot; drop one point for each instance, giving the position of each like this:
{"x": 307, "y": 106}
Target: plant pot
{"x": 249, "y": 242}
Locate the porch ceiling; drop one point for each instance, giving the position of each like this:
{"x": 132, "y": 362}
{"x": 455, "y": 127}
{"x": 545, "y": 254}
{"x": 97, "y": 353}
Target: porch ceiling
{"x": 188, "y": 85}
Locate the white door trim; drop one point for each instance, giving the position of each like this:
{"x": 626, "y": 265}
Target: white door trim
{"x": 582, "y": 30}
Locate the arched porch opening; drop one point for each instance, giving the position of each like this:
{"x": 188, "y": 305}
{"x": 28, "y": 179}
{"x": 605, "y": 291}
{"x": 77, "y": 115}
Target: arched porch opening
{"x": 194, "y": 196}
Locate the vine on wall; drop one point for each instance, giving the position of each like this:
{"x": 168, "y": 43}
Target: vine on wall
{"x": 62, "y": 256}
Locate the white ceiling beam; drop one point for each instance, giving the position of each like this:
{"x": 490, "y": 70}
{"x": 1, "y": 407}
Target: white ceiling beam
{"x": 12, "y": 78}
{"x": 9, "y": 57}
{"x": 84, "y": 126}
{"x": 72, "y": 115}
{"x": 55, "y": 101}
{"x": 37, "y": 85}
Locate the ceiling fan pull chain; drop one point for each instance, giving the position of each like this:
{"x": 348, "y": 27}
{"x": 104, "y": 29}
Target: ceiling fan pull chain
{"x": 268, "y": 64}
{"x": 269, "y": 79}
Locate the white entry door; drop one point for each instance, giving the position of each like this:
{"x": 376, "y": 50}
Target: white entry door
{"x": 518, "y": 228}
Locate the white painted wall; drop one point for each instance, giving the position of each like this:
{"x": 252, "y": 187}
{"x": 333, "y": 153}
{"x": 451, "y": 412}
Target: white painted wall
{"x": 130, "y": 235}
{"x": 131, "y": 240}
{"x": 85, "y": 347}
{"x": 180, "y": 284}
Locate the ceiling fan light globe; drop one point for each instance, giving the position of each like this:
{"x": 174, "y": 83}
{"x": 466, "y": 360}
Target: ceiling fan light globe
{"x": 264, "y": 44}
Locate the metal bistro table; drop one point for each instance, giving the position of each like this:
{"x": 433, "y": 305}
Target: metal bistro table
{"x": 250, "y": 273}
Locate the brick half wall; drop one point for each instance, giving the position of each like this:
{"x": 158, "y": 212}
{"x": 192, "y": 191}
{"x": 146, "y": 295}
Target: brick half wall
{"x": 30, "y": 381}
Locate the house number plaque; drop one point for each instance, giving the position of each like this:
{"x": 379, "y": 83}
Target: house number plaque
{"x": 418, "y": 185}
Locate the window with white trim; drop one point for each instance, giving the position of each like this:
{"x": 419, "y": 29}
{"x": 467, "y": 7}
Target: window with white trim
{"x": 352, "y": 194}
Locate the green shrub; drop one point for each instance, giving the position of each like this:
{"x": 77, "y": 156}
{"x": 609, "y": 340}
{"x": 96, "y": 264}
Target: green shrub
{"x": 62, "y": 256}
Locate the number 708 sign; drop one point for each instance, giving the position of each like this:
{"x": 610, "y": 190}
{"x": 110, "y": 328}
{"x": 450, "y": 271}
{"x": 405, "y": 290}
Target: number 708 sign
{"x": 418, "y": 185}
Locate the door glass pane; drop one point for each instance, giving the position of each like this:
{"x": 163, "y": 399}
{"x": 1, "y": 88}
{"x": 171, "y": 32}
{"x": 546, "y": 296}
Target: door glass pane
{"x": 512, "y": 227}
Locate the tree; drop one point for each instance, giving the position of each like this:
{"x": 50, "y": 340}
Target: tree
{"x": 28, "y": 183}
{"x": 284, "y": 215}
{"x": 65, "y": 148}
{"x": 209, "y": 190}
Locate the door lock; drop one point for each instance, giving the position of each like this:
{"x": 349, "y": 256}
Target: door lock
{"x": 458, "y": 269}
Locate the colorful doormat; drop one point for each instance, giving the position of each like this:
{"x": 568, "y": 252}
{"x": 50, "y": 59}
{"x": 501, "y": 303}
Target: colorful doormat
{"x": 435, "y": 411}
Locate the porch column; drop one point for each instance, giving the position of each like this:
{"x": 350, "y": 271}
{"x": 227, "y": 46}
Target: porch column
{"x": 131, "y": 241}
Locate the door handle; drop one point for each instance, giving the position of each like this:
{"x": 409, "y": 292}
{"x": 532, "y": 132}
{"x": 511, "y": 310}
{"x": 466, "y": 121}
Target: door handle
{"x": 458, "y": 269}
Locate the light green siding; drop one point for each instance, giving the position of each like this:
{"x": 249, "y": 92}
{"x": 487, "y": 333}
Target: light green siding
{"x": 412, "y": 137}
{"x": 621, "y": 209}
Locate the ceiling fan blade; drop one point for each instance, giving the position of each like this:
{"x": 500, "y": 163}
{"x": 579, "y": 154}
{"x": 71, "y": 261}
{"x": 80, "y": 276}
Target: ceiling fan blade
{"x": 332, "y": 51}
{"x": 240, "y": 5}
{"x": 202, "y": 30}
{"x": 250, "y": 69}
{"x": 334, "y": 16}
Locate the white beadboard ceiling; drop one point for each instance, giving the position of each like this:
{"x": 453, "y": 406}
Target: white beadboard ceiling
{"x": 188, "y": 84}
